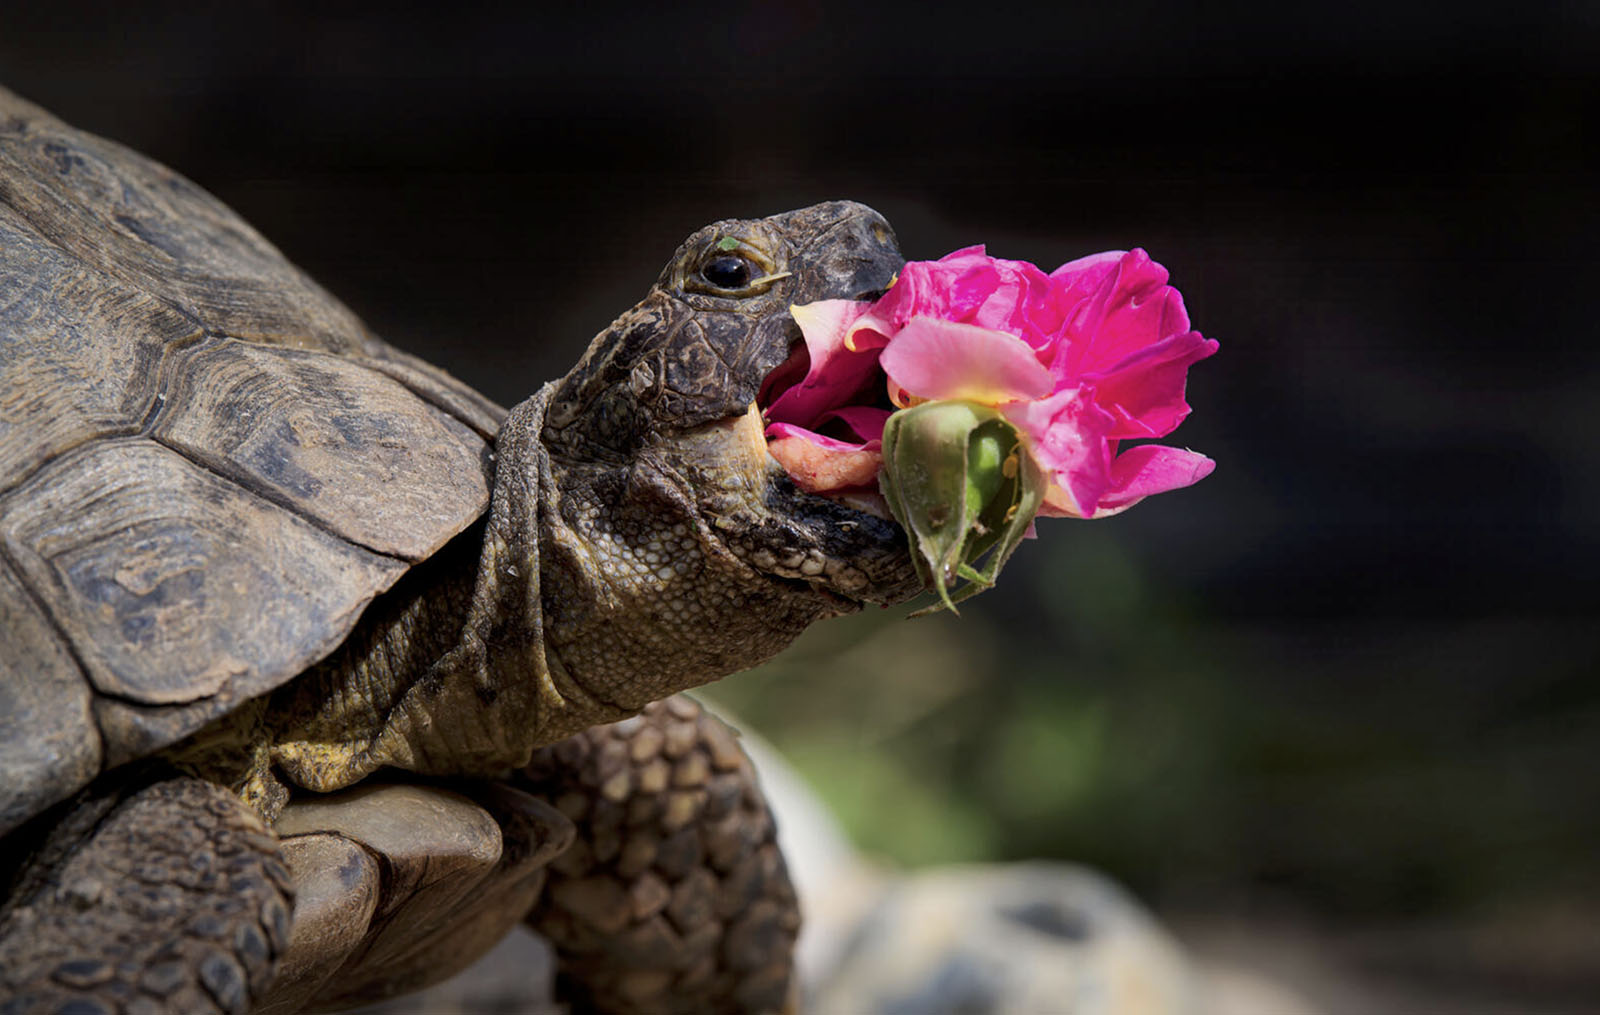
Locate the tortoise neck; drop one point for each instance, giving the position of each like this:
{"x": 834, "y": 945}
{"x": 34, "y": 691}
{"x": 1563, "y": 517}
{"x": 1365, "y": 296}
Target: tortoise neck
{"x": 642, "y": 596}
{"x": 589, "y": 591}
{"x": 447, "y": 674}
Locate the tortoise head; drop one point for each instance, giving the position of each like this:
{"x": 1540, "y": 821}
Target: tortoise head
{"x": 658, "y": 447}
{"x": 698, "y": 347}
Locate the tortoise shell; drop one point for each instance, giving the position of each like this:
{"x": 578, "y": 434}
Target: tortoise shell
{"x": 208, "y": 465}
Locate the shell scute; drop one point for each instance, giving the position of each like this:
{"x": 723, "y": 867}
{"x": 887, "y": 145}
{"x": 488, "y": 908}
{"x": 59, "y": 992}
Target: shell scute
{"x": 63, "y": 379}
{"x": 208, "y": 465}
{"x": 171, "y": 583}
{"x": 49, "y": 744}
{"x": 345, "y": 446}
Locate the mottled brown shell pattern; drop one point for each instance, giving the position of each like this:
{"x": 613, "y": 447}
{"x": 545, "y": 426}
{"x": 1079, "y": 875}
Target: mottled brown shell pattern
{"x": 208, "y": 465}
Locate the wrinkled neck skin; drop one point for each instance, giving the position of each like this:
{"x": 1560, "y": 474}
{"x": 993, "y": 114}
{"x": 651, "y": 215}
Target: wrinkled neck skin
{"x": 590, "y": 596}
{"x": 643, "y": 595}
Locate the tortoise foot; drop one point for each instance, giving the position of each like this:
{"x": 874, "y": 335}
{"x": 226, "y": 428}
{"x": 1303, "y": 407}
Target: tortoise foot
{"x": 401, "y": 886}
{"x": 173, "y": 899}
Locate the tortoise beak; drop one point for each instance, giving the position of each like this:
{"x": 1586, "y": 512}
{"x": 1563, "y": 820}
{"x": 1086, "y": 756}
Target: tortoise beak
{"x": 851, "y": 252}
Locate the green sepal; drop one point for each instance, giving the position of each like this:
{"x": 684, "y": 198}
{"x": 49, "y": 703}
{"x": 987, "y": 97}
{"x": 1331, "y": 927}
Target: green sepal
{"x": 945, "y": 477}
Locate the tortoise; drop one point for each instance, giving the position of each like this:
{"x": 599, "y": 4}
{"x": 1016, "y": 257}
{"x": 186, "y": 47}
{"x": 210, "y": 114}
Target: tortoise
{"x": 286, "y": 611}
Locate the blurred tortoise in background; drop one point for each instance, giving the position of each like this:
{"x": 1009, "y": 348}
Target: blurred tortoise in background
{"x": 251, "y": 555}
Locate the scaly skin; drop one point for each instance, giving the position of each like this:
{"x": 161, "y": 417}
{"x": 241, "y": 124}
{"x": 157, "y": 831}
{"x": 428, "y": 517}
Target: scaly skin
{"x": 640, "y": 542}
{"x": 644, "y": 850}
{"x": 217, "y": 467}
{"x": 173, "y": 898}
{"x": 675, "y": 898}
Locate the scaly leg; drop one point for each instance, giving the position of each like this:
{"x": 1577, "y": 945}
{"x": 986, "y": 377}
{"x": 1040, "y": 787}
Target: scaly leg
{"x": 169, "y": 898}
{"x": 675, "y": 897}
{"x": 400, "y": 886}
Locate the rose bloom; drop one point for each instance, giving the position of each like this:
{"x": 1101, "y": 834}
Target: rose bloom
{"x": 1079, "y": 360}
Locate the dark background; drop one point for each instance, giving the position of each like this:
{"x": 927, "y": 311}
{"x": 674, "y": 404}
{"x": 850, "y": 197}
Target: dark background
{"x": 1346, "y": 685}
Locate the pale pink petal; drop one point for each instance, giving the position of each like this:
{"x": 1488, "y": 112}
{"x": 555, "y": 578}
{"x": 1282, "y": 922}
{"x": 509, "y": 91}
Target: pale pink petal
{"x": 784, "y": 431}
{"x": 825, "y": 321}
{"x": 1066, "y": 436}
{"x": 817, "y": 467}
{"x": 871, "y": 333}
{"x": 1058, "y": 503}
{"x": 940, "y": 359}
{"x": 1061, "y": 428}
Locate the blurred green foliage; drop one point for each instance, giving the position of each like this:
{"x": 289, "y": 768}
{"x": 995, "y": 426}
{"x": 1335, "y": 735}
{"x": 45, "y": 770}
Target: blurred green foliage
{"x": 1079, "y": 712}
{"x": 945, "y": 738}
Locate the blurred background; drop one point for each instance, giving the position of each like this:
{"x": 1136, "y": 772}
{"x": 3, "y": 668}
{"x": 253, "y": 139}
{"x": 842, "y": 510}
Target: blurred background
{"x": 1335, "y": 709}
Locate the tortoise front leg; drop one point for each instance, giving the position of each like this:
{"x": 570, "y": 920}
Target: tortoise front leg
{"x": 400, "y": 886}
{"x": 675, "y": 897}
{"x": 172, "y": 898}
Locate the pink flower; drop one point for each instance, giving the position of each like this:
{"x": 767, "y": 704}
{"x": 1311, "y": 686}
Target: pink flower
{"x": 1079, "y": 360}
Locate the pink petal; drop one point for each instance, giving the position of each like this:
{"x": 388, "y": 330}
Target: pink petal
{"x": 1151, "y": 468}
{"x": 1146, "y": 391}
{"x": 1119, "y": 308}
{"x": 866, "y": 420}
{"x": 789, "y": 431}
{"x": 1084, "y": 276}
{"x": 968, "y": 291}
{"x": 924, "y": 289}
{"x": 837, "y": 375}
{"x": 970, "y": 287}
{"x": 930, "y": 358}
{"x": 1021, "y": 304}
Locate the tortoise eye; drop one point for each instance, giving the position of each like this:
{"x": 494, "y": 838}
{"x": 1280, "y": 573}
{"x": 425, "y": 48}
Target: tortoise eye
{"x": 732, "y": 268}
{"x": 728, "y": 271}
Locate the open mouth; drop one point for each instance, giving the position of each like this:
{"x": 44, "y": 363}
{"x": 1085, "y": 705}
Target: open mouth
{"x": 843, "y": 545}
{"x": 824, "y": 410}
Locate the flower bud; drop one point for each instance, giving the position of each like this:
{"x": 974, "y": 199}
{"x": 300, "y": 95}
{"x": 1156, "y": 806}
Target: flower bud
{"x": 960, "y": 482}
